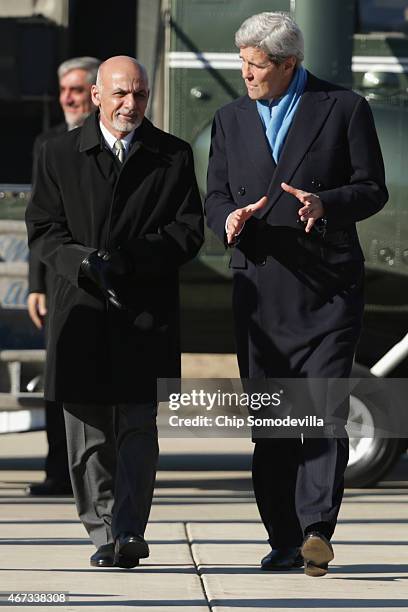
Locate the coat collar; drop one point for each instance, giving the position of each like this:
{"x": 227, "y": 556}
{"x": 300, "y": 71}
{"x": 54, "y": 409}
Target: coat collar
{"x": 314, "y": 107}
{"x": 254, "y": 139}
{"x": 146, "y": 136}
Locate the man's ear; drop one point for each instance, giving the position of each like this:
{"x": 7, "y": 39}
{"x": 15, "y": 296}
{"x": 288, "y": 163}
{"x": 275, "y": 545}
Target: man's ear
{"x": 290, "y": 63}
{"x": 95, "y": 95}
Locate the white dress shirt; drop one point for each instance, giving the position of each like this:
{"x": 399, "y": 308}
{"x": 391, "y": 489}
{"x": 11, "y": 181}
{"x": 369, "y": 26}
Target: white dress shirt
{"x": 110, "y": 139}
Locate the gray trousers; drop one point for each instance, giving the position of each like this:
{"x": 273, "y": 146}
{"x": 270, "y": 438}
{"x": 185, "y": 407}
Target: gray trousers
{"x": 112, "y": 455}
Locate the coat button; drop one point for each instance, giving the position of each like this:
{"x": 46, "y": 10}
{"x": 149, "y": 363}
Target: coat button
{"x": 316, "y": 183}
{"x": 262, "y": 262}
{"x": 241, "y": 191}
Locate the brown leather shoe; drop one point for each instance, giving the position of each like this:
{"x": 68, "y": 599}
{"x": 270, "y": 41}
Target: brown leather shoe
{"x": 317, "y": 552}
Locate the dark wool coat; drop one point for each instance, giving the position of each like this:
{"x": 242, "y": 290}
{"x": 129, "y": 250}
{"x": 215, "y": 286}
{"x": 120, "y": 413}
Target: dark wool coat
{"x": 39, "y": 276}
{"x": 150, "y": 208}
{"x": 298, "y": 298}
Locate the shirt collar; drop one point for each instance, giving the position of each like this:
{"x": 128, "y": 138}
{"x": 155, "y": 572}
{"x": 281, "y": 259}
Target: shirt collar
{"x": 110, "y": 139}
{"x": 91, "y": 135}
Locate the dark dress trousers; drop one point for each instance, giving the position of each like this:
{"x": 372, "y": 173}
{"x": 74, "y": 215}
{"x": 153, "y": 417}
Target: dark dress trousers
{"x": 99, "y": 356}
{"x": 40, "y": 281}
{"x": 297, "y": 297}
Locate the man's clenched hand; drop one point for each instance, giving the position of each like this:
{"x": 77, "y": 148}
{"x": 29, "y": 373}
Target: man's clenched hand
{"x": 37, "y": 308}
{"x": 103, "y": 268}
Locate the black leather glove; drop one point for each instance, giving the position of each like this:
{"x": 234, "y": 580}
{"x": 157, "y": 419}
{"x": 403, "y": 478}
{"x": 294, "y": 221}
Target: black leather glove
{"x": 118, "y": 263}
{"x": 102, "y": 268}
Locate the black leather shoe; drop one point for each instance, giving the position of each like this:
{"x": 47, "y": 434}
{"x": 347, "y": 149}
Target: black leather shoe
{"x": 104, "y": 556}
{"x": 129, "y": 548}
{"x": 317, "y": 552}
{"x": 282, "y": 559}
{"x": 49, "y": 487}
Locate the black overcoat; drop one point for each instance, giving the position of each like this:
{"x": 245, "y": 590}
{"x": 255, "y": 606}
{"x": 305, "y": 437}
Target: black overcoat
{"x": 39, "y": 276}
{"x": 298, "y": 298}
{"x": 150, "y": 208}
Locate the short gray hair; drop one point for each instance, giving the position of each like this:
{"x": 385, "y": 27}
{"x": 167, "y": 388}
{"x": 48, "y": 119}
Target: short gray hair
{"x": 89, "y": 64}
{"x": 274, "y": 33}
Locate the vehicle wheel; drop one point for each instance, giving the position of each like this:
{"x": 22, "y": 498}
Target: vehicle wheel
{"x": 371, "y": 457}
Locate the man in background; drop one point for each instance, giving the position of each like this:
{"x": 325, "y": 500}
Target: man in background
{"x": 76, "y": 77}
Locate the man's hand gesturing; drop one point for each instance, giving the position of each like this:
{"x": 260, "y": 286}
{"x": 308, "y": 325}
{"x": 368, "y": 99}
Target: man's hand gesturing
{"x": 236, "y": 220}
{"x": 312, "y": 208}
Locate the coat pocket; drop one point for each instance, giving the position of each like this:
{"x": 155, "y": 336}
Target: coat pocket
{"x": 238, "y": 260}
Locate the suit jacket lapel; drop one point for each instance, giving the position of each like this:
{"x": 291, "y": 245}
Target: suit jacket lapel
{"x": 314, "y": 107}
{"x": 254, "y": 140}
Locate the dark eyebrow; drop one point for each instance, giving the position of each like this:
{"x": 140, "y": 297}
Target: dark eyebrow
{"x": 118, "y": 90}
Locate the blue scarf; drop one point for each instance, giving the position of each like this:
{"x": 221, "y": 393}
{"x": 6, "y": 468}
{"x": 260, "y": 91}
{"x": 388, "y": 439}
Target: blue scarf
{"x": 277, "y": 125}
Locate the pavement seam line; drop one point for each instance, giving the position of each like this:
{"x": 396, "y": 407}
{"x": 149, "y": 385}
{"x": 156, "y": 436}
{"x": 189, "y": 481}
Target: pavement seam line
{"x": 190, "y": 546}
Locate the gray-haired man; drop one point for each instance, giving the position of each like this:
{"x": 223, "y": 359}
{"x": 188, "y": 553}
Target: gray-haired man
{"x": 76, "y": 77}
{"x": 294, "y": 164}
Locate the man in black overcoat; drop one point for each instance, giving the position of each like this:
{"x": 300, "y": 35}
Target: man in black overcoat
{"x": 76, "y": 77}
{"x": 294, "y": 164}
{"x": 115, "y": 211}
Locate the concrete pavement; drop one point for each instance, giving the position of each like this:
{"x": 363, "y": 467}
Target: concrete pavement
{"x": 206, "y": 540}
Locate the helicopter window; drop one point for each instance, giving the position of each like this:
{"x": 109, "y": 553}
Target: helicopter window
{"x": 382, "y": 16}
